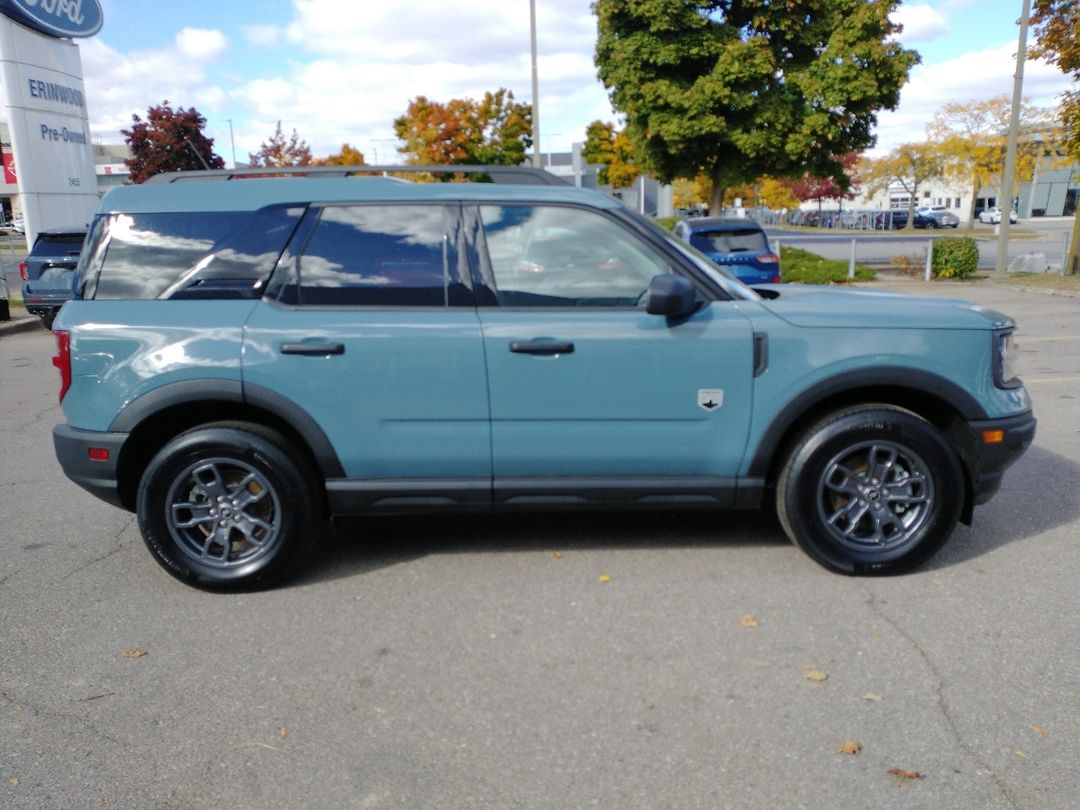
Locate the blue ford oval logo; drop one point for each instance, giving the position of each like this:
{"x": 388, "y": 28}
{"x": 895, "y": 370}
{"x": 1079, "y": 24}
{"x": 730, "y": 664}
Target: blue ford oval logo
{"x": 57, "y": 18}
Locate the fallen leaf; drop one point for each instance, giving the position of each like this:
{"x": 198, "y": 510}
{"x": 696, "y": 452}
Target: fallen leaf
{"x": 604, "y": 578}
{"x": 557, "y": 555}
{"x": 1039, "y": 730}
{"x": 133, "y": 653}
{"x": 748, "y": 621}
{"x": 871, "y": 696}
{"x": 807, "y": 666}
{"x": 15, "y": 782}
{"x": 849, "y": 747}
{"x": 282, "y": 731}
{"x": 815, "y": 675}
{"x": 900, "y": 773}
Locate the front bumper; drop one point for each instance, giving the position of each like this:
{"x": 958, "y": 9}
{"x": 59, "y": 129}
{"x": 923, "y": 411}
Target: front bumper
{"x": 97, "y": 477}
{"x": 993, "y": 458}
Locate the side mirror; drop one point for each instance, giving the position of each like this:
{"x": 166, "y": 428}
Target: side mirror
{"x": 670, "y": 295}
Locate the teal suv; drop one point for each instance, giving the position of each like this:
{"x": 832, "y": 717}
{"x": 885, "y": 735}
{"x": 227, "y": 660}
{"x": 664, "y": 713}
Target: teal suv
{"x": 247, "y": 358}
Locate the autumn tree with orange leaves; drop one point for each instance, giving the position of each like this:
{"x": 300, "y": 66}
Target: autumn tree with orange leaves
{"x": 493, "y": 131}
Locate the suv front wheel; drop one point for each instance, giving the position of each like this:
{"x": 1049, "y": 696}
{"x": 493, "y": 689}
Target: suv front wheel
{"x": 227, "y": 505}
{"x": 870, "y": 490}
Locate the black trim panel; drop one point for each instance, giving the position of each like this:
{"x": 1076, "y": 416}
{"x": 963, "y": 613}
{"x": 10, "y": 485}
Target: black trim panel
{"x": 96, "y": 477}
{"x": 993, "y": 459}
{"x": 408, "y": 495}
{"x": 200, "y": 391}
{"x": 628, "y": 492}
{"x": 878, "y": 377}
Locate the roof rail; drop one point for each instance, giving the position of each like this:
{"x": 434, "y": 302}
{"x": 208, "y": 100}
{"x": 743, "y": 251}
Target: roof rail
{"x": 507, "y": 175}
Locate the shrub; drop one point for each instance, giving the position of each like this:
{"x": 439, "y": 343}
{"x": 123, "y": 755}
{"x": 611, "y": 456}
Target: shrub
{"x": 667, "y": 223}
{"x": 803, "y": 267}
{"x": 955, "y": 257}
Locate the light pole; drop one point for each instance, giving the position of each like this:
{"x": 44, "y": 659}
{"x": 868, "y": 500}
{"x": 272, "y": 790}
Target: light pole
{"x": 535, "y": 87}
{"x": 1005, "y": 202}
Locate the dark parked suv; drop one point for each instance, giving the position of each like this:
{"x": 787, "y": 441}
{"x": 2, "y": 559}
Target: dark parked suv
{"x": 245, "y": 360}
{"x": 48, "y": 271}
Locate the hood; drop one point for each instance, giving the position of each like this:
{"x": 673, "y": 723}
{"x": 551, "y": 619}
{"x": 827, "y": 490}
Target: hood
{"x": 817, "y": 306}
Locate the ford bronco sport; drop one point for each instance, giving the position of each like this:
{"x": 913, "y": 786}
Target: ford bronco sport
{"x": 246, "y": 359}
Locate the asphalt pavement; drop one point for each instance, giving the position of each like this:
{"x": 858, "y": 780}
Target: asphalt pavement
{"x": 613, "y": 661}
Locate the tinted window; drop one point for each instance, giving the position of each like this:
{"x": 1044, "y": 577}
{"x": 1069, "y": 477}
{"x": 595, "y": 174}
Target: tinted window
{"x": 387, "y": 255}
{"x": 734, "y": 241}
{"x": 206, "y": 254}
{"x": 64, "y": 244}
{"x": 557, "y": 256}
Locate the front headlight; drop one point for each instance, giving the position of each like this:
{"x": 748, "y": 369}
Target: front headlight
{"x": 1005, "y": 357}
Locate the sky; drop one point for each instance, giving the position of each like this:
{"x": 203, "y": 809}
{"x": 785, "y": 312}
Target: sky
{"x": 340, "y": 71}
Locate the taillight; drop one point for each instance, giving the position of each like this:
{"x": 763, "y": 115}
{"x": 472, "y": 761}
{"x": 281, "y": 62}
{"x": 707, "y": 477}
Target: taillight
{"x": 768, "y": 258}
{"x": 62, "y": 361}
{"x": 23, "y": 273}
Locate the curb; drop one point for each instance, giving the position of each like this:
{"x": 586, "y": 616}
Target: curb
{"x": 19, "y": 323}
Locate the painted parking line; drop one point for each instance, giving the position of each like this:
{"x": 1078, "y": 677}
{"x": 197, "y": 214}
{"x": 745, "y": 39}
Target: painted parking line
{"x": 1028, "y": 381}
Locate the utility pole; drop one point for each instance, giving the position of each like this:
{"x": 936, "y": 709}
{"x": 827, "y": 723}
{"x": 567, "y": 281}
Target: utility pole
{"x": 535, "y": 88}
{"x": 1006, "y": 197}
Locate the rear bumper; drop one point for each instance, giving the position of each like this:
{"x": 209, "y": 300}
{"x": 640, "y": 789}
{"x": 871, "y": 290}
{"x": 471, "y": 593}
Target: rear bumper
{"x": 73, "y": 452}
{"x": 994, "y": 458}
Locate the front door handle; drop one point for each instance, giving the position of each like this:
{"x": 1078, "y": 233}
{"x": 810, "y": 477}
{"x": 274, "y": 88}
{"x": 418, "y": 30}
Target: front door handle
{"x": 313, "y": 349}
{"x": 533, "y": 347}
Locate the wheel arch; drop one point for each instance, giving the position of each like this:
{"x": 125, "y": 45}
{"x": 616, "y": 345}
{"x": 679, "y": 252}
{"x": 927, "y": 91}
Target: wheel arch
{"x": 940, "y": 402}
{"x": 156, "y": 417}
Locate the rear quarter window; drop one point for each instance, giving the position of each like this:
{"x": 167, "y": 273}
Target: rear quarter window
{"x": 185, "y": 254}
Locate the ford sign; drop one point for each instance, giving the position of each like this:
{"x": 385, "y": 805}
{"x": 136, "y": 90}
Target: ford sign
{"x": 57, "y": 18}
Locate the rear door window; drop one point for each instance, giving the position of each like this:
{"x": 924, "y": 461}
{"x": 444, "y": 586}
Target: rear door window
{"x": 380, "y": 256}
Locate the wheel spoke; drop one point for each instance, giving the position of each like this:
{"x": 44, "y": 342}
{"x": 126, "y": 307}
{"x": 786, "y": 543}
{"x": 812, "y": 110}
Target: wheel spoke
{"x": 196, "y": 514}
{"x": 219, "y": 537}
{"x": 208, "y": 477}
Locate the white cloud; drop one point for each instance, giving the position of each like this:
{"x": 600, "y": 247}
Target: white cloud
{"x": 921, "y": 23}
{"x": 263, "y": 36}
{"x": 201, "y": 44}
{"x": 972, "y": 76}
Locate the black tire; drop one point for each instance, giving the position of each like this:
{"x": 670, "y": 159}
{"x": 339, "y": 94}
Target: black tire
{"x": 229, "y": 505}
{"x": 870, "y": 490}
{"x": 48, "y": 319}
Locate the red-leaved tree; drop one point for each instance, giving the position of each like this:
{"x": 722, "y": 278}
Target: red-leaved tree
{"x": 168, "y": 141}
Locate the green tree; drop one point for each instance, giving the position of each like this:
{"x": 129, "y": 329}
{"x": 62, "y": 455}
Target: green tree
{"x": 612, "y": 149}
{"x": 908, "y": 166}
{"x": 738, "y": 89}
{"x": 348, "y": 156}
{"x": 1057, "y": 38}
{"x": 972, "y": 138}
{"x": 493, "y": 131}
{"x": 280, "y": 151}
{"x": 168, "y": 141}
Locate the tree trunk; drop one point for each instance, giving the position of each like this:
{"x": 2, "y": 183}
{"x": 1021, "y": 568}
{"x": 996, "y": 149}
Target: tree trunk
{"x": 1072, "y": 259}
{"x": 911, "y": 211}
{"x": 716, "y": 201}
{"x": 976, "y": 187}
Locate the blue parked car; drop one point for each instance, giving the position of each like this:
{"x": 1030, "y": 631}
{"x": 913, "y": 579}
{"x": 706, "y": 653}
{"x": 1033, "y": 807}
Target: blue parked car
{"x": 244, "y": 361}
{"x": 49, "y": 270}
{"x": 737, "y": 244}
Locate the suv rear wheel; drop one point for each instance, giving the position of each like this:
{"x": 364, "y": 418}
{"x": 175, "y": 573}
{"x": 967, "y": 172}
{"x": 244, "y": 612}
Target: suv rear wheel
{"x": 870, "y": 490}
{"x": 228, "y": 505}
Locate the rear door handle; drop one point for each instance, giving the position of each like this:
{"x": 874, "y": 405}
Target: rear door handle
{"x": 313, "y": 349}
{"x": 533, "y": 347}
